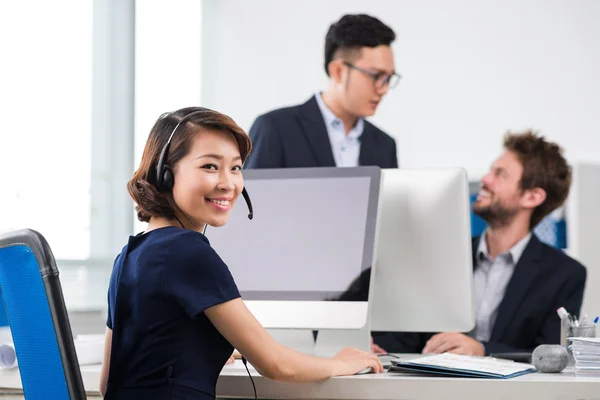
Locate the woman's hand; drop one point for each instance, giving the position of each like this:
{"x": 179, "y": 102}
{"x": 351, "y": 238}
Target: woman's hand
{"x": 351, "y": 360}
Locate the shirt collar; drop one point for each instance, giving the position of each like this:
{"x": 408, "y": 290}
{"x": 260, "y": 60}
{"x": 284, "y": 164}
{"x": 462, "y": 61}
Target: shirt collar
{"x": 515, "y": 252}
{"x": 331, "y": 120}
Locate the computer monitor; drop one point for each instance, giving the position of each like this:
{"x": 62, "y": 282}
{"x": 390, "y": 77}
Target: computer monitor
{"x": 312, "y": 234}
{"x": 424, "y": 269}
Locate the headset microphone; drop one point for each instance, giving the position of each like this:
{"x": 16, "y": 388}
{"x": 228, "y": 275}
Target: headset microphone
{"x": 248, "y": 203}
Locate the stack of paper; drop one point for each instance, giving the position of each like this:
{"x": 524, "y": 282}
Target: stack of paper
{"x": 462, "y": 366}
{"x": 586, "y": 352}
{"x": 89, "y": 349}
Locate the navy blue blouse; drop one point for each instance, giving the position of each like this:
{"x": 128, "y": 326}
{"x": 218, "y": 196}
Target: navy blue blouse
{"x": 163, "y": 345}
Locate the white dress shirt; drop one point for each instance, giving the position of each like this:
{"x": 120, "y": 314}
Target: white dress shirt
{"x": 490, "y": 280}
{"x": 345, "y": 148}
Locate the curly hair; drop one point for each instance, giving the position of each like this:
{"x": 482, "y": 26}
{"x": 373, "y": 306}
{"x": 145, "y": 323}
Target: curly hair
{"x": 544, "y": 166}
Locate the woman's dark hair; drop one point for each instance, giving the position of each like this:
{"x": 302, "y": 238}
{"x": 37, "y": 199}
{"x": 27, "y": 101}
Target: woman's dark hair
{"x": 150, "y": 202}
{"x": 352, "y": 32}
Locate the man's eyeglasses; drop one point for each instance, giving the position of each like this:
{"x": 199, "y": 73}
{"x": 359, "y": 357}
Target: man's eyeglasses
{"x": 380, "y": 79}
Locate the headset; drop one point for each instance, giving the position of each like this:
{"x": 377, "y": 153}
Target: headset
{"x": 164, "y": 174}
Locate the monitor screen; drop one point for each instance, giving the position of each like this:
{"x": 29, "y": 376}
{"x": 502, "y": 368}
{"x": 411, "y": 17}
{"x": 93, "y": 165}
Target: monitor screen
{"x": 311, "y": 237}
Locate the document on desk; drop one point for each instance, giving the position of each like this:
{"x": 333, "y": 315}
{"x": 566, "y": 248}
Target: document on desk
{"x": 462, "y": 366}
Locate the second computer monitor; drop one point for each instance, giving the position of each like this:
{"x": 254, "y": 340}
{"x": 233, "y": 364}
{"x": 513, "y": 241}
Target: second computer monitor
{"x": 424, "y": 267}
{"x": 312, "y": 235}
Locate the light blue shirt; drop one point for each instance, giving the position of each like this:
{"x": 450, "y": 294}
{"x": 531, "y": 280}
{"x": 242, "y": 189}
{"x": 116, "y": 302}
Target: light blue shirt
{"x": 345, "y": 148}
{"x": 490, "y": 280}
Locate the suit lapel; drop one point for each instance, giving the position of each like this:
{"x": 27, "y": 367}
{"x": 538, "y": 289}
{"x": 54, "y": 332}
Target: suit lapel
{"x": 368, "y": 154}
{"x": 313, "y": 127}
{"x": 525, "y": 272}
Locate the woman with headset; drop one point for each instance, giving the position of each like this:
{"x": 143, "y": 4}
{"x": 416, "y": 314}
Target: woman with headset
{"x": 174, "y": 311}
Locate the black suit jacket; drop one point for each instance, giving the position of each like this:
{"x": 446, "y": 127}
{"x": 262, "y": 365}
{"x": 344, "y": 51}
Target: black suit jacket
{"x": 295, "y": 137}
{"x": 544, "y": 279}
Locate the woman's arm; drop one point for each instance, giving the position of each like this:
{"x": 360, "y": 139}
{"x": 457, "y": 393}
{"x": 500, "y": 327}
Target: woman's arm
{"x": 275, "y": 361}
{"x": 105, "y": 361}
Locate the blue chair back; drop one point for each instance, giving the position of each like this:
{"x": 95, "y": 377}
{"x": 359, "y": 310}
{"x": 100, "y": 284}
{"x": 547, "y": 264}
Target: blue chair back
{"x": 38, "y": 318}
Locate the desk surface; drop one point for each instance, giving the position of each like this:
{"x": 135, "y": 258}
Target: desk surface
{"x": 234, "y": 383}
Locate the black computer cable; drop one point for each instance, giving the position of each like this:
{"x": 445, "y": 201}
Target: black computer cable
{"x": 250, "y": 375}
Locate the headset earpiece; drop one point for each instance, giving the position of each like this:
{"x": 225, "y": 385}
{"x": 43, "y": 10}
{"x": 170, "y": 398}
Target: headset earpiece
{"x": 168, "y": 180}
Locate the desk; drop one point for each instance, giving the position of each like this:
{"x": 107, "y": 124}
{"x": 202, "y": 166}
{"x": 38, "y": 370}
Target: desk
{"x": 234, "y": 383}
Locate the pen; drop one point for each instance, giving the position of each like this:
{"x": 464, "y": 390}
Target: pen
{"x": 565, "y": 316}
{"x": 565, "y": 324}
{"x": 562, "y": 313}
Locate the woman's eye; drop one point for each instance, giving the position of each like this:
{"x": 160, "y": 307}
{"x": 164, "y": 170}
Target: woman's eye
{"x": 237, "y": 168}
{"x": 209, "y": 166}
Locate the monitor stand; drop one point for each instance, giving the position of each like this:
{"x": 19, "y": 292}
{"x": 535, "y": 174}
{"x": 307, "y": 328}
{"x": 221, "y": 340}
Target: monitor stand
{"x": 301, "y": 340}
{"x": 329, "y": 342}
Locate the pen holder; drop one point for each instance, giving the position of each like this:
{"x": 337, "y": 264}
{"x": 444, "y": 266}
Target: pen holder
{"x": 578, "y": 331}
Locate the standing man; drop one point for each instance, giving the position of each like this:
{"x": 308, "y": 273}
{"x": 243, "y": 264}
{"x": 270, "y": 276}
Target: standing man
{"x": 330, "y": 128}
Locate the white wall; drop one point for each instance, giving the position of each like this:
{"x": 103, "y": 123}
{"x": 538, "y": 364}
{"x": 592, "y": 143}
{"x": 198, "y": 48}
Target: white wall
{"x": 471, "y": 70}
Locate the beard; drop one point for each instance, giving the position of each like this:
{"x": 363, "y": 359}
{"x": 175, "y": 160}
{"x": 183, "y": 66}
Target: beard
{"x": 495, "y": 213}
